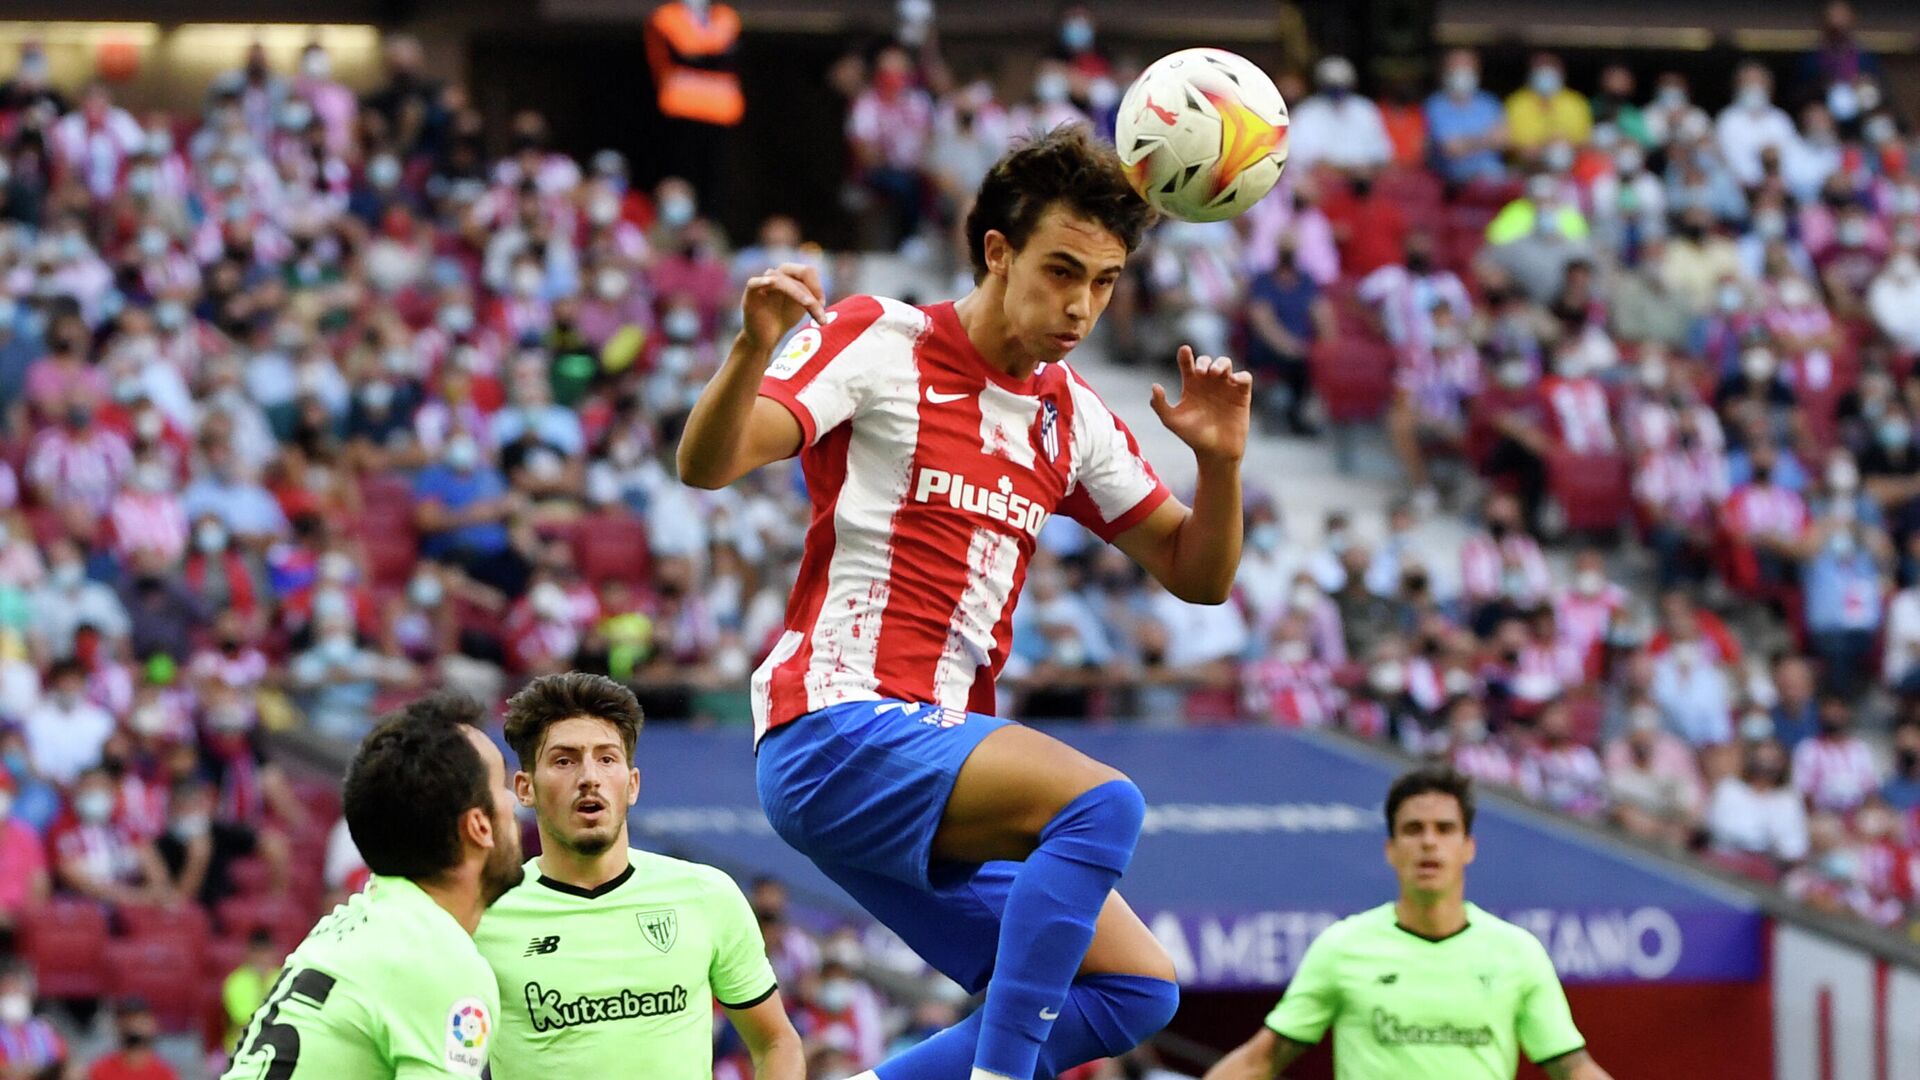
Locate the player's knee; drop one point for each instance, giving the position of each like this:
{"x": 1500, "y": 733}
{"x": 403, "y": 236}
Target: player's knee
{"x": 1134, "y": 1007}
{"x": 1102, "y": 825}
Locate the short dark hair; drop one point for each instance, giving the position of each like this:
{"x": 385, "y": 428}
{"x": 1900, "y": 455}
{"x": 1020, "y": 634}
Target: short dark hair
{"x": 550, "y": 699}
{"x": 1067, "y": 166}
{"x": 1432, "y": 780}
{"x": 412, "y": 779}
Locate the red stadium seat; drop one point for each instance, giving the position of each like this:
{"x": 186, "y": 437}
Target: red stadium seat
{"x": 165, "y": 970}
{"x": 611, "y": 546}
{"x": 280, "y": 916}
{"x": 1354, "y": 377}
{"x": 65, "y": 942}
{"x": 1416, "y": 191}
{"x": 187, "y": 922}
{"x": 385, "y": 489}
{"x": 391, "y": 553}
{"x": 1593, "y": 489}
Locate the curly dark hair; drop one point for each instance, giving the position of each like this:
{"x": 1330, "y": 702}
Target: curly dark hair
{"x": 412, "y": 779}
{"x": 1432, "y": 780}
{"x": 552, "y": 698}
{"x": 1068, "y": 166}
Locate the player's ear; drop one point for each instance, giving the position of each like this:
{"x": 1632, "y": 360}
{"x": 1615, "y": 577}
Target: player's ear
{"x": 523, "y": 787}
{"x": 476, "y": 827}
{"x": 1468, "y": 852}
{"x": 998, "y": 250}
{"x": 633, "y": 784}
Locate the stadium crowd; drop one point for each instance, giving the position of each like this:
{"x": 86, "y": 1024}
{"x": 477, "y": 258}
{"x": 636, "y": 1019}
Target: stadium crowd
{"x": 310, "y": 403}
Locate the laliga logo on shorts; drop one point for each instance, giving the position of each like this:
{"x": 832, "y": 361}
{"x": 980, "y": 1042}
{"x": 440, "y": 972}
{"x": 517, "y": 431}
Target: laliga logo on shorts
{"x": 1018, "y": 511}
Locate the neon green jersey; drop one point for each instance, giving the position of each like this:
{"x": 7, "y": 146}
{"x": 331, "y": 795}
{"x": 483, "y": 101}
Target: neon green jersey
{"x": 620, "y": 980}
{"x": 1400, "y": 1005}
{"x": 387, "y": 986}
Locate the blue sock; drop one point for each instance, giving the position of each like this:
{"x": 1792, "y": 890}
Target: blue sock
{"x": 1048, "y": 923}
{"x": 1104, "y": 1016}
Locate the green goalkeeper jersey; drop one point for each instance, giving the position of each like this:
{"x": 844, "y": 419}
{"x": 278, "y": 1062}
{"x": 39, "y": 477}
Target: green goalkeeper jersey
{"x": 1401, "y": 1005}
{"x": 620, "y": 980}
{"x": 387, "y": 987}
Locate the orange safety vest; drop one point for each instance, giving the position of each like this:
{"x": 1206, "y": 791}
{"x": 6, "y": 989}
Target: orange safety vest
{"x": 693, "y": 63}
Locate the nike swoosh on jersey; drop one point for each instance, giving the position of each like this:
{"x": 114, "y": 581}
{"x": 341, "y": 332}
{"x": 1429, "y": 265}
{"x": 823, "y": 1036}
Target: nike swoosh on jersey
{"x": 935, "y": 397}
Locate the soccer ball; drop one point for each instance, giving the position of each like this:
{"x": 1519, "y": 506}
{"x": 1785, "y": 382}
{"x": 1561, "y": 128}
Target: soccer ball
{"x": 1202, "y": 134}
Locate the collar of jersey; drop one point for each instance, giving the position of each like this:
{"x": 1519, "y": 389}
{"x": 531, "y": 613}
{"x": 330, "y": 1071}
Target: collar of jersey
{"x": 594, "y": 893}
{"x": 946, "y": 313}
{"x": 1468, "y": 925}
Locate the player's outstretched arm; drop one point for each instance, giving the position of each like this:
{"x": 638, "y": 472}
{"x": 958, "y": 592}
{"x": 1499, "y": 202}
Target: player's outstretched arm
{"x": 1263, "y": 1057}
{"x": 731, "y": 430}
{"x": 1195, "y": 551}
{"x": 1578, "y": 1065}
{"x": 770, "y": 1039}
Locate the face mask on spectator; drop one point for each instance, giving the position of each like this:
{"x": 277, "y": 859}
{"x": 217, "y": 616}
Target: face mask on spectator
{"x": 1515, "y": 374}
{"x": 336, "y": 647}
{"x": 93, "y": 807}
{"x": 1051, "y": 88}
{"x": 1843, "y": 476}
{"x": 1903, "y": 267}
{"x": 1851, "y": 232}
{"x": 316, "y": 65}
{"x": 1462, "y": 81}
{"x": 1770, "y": 224}
{"x": 456, "y": 318}
{"x": 1880, "y": 130}
{"x": 1753, "y": 97}
{"x": 1264, "y": 537}
{"x": 210, "y": 538}
{"x": 548, "y": 601}
{"x": 68, "y": 575}
{"x": 151, "y": 477}
{"x": 1628, "y": 159}
{"x": 1472, "y": 731}
{"x": 141, "y": 181}
{"x": 1731, "y": 298}
{"x": 6, "y": 803}
{"x": 1102, "y": 93}
{"x": 384, "y": 171}
{"x": 1076, "y": 35}
{"x": 1546, "y": 80}
{"x": 15, "y": 1008}
{"x": 1590, "y": 582}
{"x": 1653, "y": 373}
{"x": 425, "y": 591}
{"x": 463, "y": 453}
{"x": 527, "y": 280}
{"x": 377, "y": 396}
{"x": 1895, "y": 434}
{"x": 230, "y": 717}
{"x": 170, "y": 314}
{"x": 676, "y": 211}
{"x": 1305, "y": 598}
{"x": 223, "y": 175}
{"x": 610, "y": 284}
{"x": 603, "y": 209}
{"x": 1756, "y": 727}
{"x": 296, "y": 115}
{"x": 1294, "y": 652}
{"x": 1671, "y": 97}
{"x": 150, "y": 719}
{"x": 1387, "y": 678}
{"x": 192, "y": 826}
{"x": 1843, "y": 544}
{"x": 681, "y": 324}
{"x": 1570, "y": 366}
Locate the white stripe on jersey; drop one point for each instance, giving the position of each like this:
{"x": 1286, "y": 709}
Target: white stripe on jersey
{"x": 846, "y": 635}
{"x": 993, "y": 558}
{"x": 1095, "y": 428}
{"x": 762, "y": 687}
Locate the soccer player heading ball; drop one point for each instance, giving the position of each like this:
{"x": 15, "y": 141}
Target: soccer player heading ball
{"x": 936, "y": 442}
{"x": 1429, "y": 985}
{"x": 389, "y": 986}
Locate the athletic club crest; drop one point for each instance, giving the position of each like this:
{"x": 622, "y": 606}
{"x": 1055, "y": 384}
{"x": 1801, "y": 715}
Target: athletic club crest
{"x": 660, "y": 928}
{"x": 1049, "y": 430}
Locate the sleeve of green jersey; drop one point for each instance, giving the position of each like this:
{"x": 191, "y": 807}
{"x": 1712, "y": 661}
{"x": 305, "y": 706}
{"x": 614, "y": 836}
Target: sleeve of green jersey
{"x": 1313, "y": 995}
{"x": 1545, "y": 1022}
{"x": 740, "y": 974}
{"x": 440, "y": 1024}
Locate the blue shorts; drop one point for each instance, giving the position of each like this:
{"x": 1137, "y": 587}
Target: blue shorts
{"x": 860, "y": 789}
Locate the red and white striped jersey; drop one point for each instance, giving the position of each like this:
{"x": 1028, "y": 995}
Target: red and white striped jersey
{"x": 1835, "y": 773}
{"x": 930, "y": 474}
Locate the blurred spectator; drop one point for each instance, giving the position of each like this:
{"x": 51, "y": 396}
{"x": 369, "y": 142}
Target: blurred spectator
{"x": 135, "y": 1059}
{"x": 1902, "y": 787}
{"x": 1503, "y": 569}
{"x": 1286, "y": 314}
{"x": 1466, "y": 124}
{"x": 840, "y": 1011}
{"x": 1433, "y": 385}
{"x": 1077, "y": 44}
{"x": 1560, "y": 771}
{"x": 1536, "y": 236}
{"x": 1894, "y": 300}
{"x": 888, "y": 129}
{"x": 1766, "y": 524}
{"x": 30, "y": 1047}
{"x": 244, "y": 988}
{"x": 97, "y": 858}
{"x": 1654, "y": 781}
{"x": 1841, "y": 72}
{"x": 1690, "y": 685}
{"x": 1796, "y": 713}
{"x": 94, "y": 142}
{"x": 1338, "y": 126}
{"x": 338, "y": 678}
{"x": 692, "y": 53}
{"x": 1752, "y": 124}
{"x": 1615, "y": 105}
{"x": 461, "y": 508}
{"x": 29, "y": 85}
{"x": 65, "y": 731}
{"x": 1835, "y": 769}
{"x": 1757, "y": 812}
{"x": 23, "y": 864}
{"x": 1546, "y": 110}
{"x": 1404, "y": 295}
{"x": 70, "y": 600}
{"x": 1843, "y": 585}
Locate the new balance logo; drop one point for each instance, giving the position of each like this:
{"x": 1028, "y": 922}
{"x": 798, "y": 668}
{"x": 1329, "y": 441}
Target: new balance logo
{"x": 542, "y": 946}
{"x": 1390, "y": 979}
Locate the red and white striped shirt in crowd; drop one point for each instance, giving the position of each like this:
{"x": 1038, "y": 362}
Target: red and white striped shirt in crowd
{"x": 517, "y": 318}
{"x": 1513, "y": 566}
{"x": 1812, "y": 369}
{"x": 87, "y": 469}
{"x": 1293, "y": 693}
{"x": 1545, "y": 671}
{"x": 1568, "y": 777}
{"x": 1580, "y": 417}
{"x": 1682, "y": 485}
{"x": 1887, "y": 869}
{"x": 1655, "y": 426}
{"x": 1835, "y": 772}
{"x": 930, "y": 473}
{"x": 1757, "y": 510}
{"x": 1486, "y": 761}
{"x": 1582, "y": 618}
{"x": 140, "y": 806}
{"x": 105, "y": 852}
{"x": 96, "y": 150}
{"x": 173, "y": 272}
{"x": 149, "y": 522}
{"x": 244, "y": 670}
{"x": 1439, "y": 383}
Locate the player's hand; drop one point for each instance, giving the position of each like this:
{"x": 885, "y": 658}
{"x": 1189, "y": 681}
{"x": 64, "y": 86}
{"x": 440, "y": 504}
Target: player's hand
{"x": 1215, "y": 403}
{"x": 776, "y": 300}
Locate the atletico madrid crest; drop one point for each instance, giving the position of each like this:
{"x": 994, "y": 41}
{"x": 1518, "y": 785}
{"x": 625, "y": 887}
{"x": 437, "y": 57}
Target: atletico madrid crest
{"x": 1049, "y": 430}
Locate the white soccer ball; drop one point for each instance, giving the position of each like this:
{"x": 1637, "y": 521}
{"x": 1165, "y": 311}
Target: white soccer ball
{"x": 1203, "y": 134}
